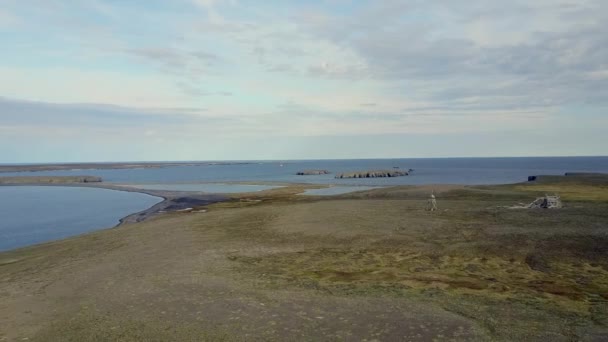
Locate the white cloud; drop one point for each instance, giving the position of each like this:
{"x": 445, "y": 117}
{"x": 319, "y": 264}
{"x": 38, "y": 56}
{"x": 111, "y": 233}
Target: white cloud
{"x": 69, "y": 85}
{"x": 302, "y": 69}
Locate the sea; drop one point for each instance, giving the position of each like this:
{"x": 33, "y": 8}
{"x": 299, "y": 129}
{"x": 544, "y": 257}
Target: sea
{"x": 426, "y": 171}
{"x": 31, "y": 215}
{"x": 34, "y": 214}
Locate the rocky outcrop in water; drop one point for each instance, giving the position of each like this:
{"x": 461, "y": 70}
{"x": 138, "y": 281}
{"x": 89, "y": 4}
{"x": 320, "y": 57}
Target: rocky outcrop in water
{"x": 373, "y": 174}
{"x": 312, "y": 172}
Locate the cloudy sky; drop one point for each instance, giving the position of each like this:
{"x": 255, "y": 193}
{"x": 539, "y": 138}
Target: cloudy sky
{"x": 106, "y": 80}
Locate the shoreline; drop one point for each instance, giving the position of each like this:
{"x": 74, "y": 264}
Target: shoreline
{"x": 364, "y": 262}
{"x": 172, "y": 201}
{"x": 175, "y": 200}
{"x": 187, "y": 201}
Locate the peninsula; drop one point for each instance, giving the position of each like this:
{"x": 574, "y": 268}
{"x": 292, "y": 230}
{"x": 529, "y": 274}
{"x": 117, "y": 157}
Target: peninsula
{"x": 366, "y": 265}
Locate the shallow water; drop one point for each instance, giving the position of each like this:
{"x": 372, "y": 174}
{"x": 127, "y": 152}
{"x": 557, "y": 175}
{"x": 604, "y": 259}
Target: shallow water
{"x": 35, "y": 214}
{"x": 336, "y": 190}
{"x": 209, "y": 188}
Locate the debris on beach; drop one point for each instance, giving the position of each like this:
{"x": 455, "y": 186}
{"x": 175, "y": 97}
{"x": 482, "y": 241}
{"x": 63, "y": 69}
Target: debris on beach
{"x": 545, "y": 202}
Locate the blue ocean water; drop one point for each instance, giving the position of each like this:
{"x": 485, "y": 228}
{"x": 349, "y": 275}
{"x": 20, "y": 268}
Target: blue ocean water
{"x": 35, "y": 214}
{"x": 427, "y": 171}
{"x": 30, "y": 215}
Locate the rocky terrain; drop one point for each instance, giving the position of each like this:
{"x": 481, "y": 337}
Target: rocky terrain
{"x": 373, "y": 174}
{"x": 312, "y": 172}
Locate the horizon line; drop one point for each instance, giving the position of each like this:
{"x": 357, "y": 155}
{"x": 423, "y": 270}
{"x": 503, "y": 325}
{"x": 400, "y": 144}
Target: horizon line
{"x": 289, "y": 160}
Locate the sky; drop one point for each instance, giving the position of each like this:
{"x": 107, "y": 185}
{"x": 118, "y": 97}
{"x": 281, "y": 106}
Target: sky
{"x": 113, "y": 80}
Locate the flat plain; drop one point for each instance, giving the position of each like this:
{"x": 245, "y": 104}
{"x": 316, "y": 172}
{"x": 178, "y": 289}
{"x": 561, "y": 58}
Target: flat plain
{"x": 371, "y": 265}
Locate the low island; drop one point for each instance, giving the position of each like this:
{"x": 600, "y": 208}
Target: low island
{"x": 312, "y": 172}
{"x": 49, "y": 180}
{"x": 373, "y": 174}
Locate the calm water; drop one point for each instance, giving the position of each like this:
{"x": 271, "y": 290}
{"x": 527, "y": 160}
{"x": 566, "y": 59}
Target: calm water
{"x": 210, "y": 188}
{"x": 336, "y": 190}
{"x": 35, "y": 214}
{"x": 437, "y": 171}
{"x": 30, "y": 215}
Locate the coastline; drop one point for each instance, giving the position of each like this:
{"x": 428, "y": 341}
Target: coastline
{"x": 174, "y": 200}
{"x": 277, "y": 266}
{"x": 193, "y": 201}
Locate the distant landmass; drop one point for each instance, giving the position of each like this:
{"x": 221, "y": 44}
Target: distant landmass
{"x": 49, "y": 180}
{"x": 99, "y": 166}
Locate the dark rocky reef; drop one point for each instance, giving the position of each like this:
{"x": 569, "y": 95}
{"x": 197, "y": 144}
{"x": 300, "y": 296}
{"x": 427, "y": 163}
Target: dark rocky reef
{"x": 312, "y": 172}
{"x": 373, "y": 174}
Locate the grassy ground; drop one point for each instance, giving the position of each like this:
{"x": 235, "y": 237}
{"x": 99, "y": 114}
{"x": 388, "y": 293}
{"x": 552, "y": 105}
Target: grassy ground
{"x": 366, "y": 266}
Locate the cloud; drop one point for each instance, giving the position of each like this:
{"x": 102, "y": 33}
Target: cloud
{"x": 175, "y": 58}
{"x": 31, "y": 113}
{"x": 535, "y": 52}
{"x": 163, "y": 56}
{"x": 329, "y": 68}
